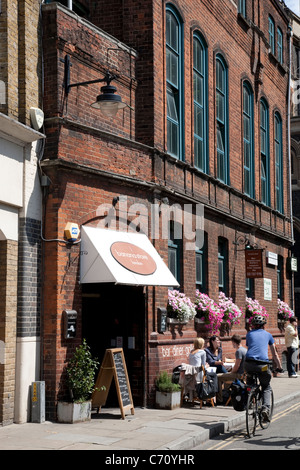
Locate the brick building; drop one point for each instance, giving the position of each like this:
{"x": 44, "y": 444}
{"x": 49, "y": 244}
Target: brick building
{"x": 206, "y": 87}
{"x": 295, "y": 149}
{"x": 20, "y": 208}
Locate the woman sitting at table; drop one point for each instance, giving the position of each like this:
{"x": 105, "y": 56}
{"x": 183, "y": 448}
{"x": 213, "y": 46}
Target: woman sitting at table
{"x": 214, "y": 355}
{"x": 197, "y": 357}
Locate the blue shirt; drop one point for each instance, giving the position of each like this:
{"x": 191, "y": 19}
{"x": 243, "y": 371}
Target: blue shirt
{"x": 258, "y": 342}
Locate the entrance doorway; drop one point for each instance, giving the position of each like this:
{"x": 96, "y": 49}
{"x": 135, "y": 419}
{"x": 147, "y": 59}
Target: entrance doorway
{"x": 113, "y": 316}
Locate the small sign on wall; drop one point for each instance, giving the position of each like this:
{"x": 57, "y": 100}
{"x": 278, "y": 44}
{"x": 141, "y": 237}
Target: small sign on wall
{"x": 267, "y": 289}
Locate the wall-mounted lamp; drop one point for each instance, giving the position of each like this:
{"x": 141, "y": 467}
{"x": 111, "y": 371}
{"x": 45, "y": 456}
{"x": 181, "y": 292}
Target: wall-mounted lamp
{"x": 108, "y": 102}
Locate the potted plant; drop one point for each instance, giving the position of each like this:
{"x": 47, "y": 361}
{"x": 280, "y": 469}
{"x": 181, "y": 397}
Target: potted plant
{"x": 284, "y": 312}
{"x": 253, "y": 308}
{"x": 168, "y": 393}
{"x": 180, "y": 308}
{"x": 231, "y": 312}
{"x": 80, "y": 379}
{"x": 209, "y": 312}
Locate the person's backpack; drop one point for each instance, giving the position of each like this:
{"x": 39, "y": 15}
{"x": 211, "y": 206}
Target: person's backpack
{"x": 209, "y": 387}
{"x": 238, "y": 393}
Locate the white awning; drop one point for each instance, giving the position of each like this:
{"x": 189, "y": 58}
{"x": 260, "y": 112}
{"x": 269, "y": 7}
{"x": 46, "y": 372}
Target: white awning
{"x": 121, "y": 258}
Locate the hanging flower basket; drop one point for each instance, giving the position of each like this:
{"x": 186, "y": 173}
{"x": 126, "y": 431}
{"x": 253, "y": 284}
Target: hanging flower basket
{"x": 254, "y": 308}
{"x": 284, "y": 312}
{"x": 208, "y": 312}
{"x": 180, "y": 308}
{"x": 231, "y": 313}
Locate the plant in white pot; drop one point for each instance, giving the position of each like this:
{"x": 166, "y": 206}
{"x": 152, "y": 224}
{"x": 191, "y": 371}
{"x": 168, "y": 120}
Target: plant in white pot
{"x": 81, "y": 382}
{"x": 168, "y": 394}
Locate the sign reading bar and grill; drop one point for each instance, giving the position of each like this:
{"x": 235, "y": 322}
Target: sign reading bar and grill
{"x": 254, "y": 263}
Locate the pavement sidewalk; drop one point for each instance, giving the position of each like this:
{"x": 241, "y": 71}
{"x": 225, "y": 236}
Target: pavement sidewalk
{"x": 148, "y": 429}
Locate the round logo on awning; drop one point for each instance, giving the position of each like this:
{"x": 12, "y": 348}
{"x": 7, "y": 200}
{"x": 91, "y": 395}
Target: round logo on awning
{"x": 133, "y": 258}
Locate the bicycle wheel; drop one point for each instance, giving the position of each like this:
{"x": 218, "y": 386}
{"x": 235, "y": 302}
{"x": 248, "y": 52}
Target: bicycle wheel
{"x": 251, "y": 413}
{"x": 266, "y": 424}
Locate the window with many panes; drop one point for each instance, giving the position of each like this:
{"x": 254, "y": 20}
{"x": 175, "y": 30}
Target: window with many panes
{"x": 272, "y": 35}
{"x": 200, "y": 103}
{"x": 174, "y": 58}
{"x": 278, "y": 162}
{"x": 279, "y": 46}
{"x": 248, "y": 137}
{"x": 264, "y": 153}
{"x": 222, "y": 120}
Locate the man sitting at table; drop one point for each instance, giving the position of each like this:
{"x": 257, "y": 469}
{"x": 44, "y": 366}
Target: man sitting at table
{"x": 238, "y": 368}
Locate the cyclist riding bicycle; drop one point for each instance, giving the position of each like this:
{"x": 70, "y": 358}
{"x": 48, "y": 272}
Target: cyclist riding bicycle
{"x": 257, "y": 361}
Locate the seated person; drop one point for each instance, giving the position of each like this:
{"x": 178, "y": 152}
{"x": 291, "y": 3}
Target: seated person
{"x": 197, "y": 357}
{"x": 238, "y": 368}
{"x": 214, "y": 355}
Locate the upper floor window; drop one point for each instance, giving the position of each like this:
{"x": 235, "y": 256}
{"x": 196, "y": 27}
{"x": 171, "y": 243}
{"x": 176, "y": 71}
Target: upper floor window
{"x": 280, "y": 277}
{"x": 272, "y": 35}
{"x": 278, "y": 163}
{"x": 242, "y": 8}
{"x": 222, "y": 120}
{"x": 279, "y": 45}
{"x": 264, "y": 153}
{"x": 174, "y": 71}
{"x": 200, "y": 103}
{"x": 248, "y": 140}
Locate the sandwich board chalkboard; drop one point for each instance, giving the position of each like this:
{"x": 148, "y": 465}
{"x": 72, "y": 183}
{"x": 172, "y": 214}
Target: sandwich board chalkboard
{"x": 113, "y": 366}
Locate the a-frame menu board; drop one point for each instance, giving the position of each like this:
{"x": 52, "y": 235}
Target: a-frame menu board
{"x": 113, "y": 365}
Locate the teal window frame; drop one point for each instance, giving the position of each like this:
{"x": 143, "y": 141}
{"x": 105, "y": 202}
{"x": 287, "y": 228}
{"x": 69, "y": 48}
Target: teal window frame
{"x": 174, "y": 85}
{"x": 222, "y": 131}
{"x": 272, "y": 35}
{"x": 200, "y": 102}
{"x": 248, "y": 140}
{"x": 175, "y": 251}
{"x": 223, "y": 265}
{"x": 280, "y": 277}
{"x": 264, "y": 153}
{"x": 242, "y": 8}
{"x": 279, "y": 46}
{"x": 278, "y": 162}
{"x": 201, "y": 266}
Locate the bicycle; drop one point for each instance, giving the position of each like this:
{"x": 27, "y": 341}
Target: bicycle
{"x": 254, "y": 408}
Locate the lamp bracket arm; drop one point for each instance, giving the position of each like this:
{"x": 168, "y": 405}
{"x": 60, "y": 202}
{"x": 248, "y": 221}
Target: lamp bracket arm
{"x": 108, "y": 77}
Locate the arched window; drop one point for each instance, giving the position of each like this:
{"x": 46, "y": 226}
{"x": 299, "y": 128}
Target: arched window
{"x": 174, "y": 70}
{"x": 200, "y": 103}
{"x": 278, "y": 162}
{"x": 248, "y": 140}
{"x": 264, "y": 153}
{"x": 272, "y": 35}
{"x": 222, "y": 120}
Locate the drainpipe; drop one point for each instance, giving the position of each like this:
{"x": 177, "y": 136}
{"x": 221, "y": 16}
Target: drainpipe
{"x": 290, "y": 35}
{"x": 70, "y": 4}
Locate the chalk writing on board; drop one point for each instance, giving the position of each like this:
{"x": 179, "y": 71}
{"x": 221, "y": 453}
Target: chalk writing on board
{"x": 122, "y": 379}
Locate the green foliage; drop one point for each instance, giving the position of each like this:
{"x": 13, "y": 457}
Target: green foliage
{"x": 164, "y": 383}
{"x": 81, "y": 373}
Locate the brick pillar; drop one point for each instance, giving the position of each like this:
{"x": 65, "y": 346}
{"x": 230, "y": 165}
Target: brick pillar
{"x": 8, "y": 315}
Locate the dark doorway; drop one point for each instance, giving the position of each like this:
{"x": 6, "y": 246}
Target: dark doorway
{"x": 114, "y": 316}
